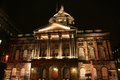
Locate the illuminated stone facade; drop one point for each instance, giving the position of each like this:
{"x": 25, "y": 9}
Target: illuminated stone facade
{"x": 60, "y": 51}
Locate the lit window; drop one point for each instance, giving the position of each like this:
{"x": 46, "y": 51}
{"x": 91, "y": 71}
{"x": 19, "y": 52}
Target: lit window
{"x": 44, "y": 73}
{"x": 95, "y": 73}
{"x": 104, "y": 73}
{"x": 82, "y": 73}
{"x": 91, "y": 52}
{"x": 17, "y": 55}
{"x": 118, "y": 69}
{"x": 14, "y": 70}
{"x": 25, "y": 53}
{"x": 65, "y": 36}
{"x": 54, "y": 36}
{"x": 22, "y": 72}
{"x": 81, "y": 53}
{"x": 0, "y": 41}
{"x": 102, "y": 53}
{"x": 55, "y": 72}
{"x": 44, "y": 37}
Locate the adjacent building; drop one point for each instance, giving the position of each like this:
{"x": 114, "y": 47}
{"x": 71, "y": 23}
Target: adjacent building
{"x": 59, "y": 51}
{"x": 6, "y": 30}
{"x": 116, "y": 56}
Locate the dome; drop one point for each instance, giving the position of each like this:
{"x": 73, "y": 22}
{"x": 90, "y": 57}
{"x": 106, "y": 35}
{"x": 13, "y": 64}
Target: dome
{"x": 62, "y": 17}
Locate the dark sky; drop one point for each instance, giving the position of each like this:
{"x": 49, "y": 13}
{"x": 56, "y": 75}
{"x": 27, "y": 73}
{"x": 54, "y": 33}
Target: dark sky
{"x": 89, "y": 14}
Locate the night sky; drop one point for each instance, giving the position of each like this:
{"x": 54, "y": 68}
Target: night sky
{"x": 29, "y": 15}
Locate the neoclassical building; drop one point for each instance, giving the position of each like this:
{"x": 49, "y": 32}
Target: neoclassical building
{"x": 59, "y": 51}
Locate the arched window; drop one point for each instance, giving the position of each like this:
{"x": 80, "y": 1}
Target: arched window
{"x": 22, "y": 72}
{"x": 14, "y": 72}
{"x": 81, "y": 53}
{"x": 66, "y": 73}
{"x": 101, "y": 52}
{"x": 95, "y": 73}
{"x": 54, "y": 46}
{"x": 17, "y": 55}
{"x": 7, "y": 74}
{"x": 66, "y": 52}
{"x": 43, "y": 52}
{"x": 25, "y": 54}
{"x": 104, "y": 73}
{"x": 91, "y": 52}
{"x": 33, "y": 52}
{"x": 53, "y": 72}
{"x": 113, "y": 75}
{"x": 43, "y": 48}
{"x": 82, "y": 73}
{"x": 65, "y": 47}
{"x": 54, "y": 52}
{"x": 44, "y": 73}
{"x": 29, "y": 55}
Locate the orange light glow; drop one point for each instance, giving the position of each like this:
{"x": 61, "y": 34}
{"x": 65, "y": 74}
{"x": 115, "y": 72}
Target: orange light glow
{"x": 55, "y": 69}
{"x": 32, "y": 69}
{"x": 73, "y": 70}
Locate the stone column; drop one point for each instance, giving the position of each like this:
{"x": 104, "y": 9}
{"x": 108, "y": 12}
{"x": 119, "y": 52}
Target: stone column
{"x": 109, "y": 49}
{"x": 86, "y": 49}
{"x": 106, "y": 50}
{"x": 39, "y": 47}
{"x": 36, "y": 49}
{"x": 73, "y": 46}
{"x": 60, "y": 45}
{"x": 70, "y": 46}
{"x": 48, "y": 46}
{"x": 96, "y": 50}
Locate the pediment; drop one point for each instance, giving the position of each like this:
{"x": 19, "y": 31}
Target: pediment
{"x": 53, "y": 27}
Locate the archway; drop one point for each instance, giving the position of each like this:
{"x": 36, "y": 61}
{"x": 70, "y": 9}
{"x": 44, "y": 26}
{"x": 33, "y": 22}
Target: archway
{"x": 53, "y": 72}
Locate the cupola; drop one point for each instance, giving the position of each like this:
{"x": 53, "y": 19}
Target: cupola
{"x": 62, "y": 17}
